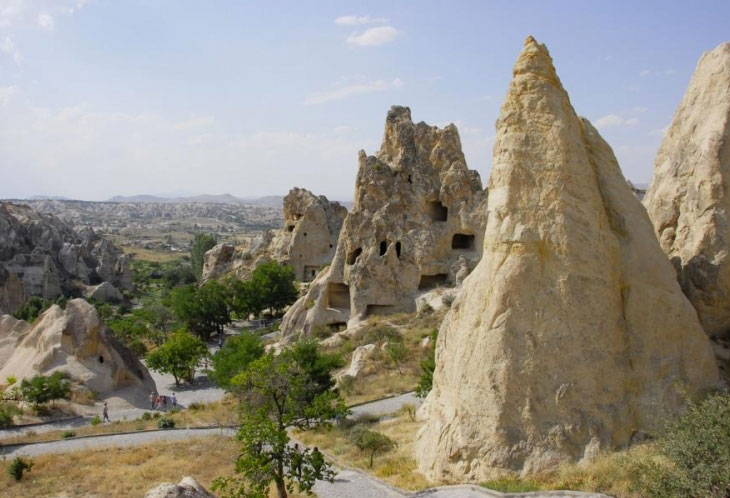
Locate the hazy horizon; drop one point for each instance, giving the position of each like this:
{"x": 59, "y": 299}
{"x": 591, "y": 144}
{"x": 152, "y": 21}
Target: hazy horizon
{"x": 102, "y": 98}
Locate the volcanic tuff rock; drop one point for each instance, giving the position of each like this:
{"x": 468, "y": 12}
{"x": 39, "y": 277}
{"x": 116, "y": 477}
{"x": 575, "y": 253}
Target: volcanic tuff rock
{"x": 42, "y": 256}
{"x": 688, "y": 199}
{"x": 572, "y": 334}
{"x": 73, "y": 340}
{"x": 186, "y": 488}
{"x": 306, "y": 241}
{"x": 417, "y": 209}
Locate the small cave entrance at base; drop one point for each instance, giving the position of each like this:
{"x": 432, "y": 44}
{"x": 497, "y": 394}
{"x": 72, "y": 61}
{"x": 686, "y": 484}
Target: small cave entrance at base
{"x": 437, "y": 211}
{"x": 352, "y": 257}
{"x": 379, "y": 309}
{"x": 431, "y": 281}
{"x": 383, "y": 247}
{"x": 462, "y": 241}
{"x": 338, "y": 296}
{"x": 397, "y": 249}
{"x": 290, "y": 228}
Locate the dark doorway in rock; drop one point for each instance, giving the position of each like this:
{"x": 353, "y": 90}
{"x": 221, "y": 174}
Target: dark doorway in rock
{"x": 462, "y": 241}
{"x": 397, "y": 249}
{"x": 431, "y": 281}
{"x": 101, "y": 359}
{"x": 437, "y": 211}
{"x": 352, "y": 257}
{"x": 410, "y": 180}
{"x": 338, "y": 296}
{"x": 383, "y": 247}
{"x": 379, "y": 309}
{"x": 309, "y": 273}
{"x": 290, "y": 228}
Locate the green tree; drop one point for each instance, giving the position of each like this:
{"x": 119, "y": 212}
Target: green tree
{"x": 428, "y": 366}
{"x": 236, "y": 355}
{"x": 178, "y": 356}
{"x": 32, "y": 308}
{"x": 275, "y": 284}
{"x": 201, "y": 244}
{"x": 203, "y": 310}
{"x": 317, "y": 365}
{"x": 276, "y": 393}
{"x": 41, "y": 389}
{"x": 370, "y": 441}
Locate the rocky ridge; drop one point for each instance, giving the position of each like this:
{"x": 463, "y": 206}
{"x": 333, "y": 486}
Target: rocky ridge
{"x": 306, "y": 241}
{"x": 688, "y": 200}
{"x": 42, "y": 256}
{"x": 418, "y": 219}
{"x": 572, "y": 284}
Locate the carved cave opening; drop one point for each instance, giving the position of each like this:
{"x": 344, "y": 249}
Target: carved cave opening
{"x": 431, "y": 281}
{"x": 338, "y": 295}
{"x": 437, "y": 211}
{"x": 462, "y": 241}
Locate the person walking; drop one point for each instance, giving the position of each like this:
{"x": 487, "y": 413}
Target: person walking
{"x": 105, "y": 414}
{"x": 317, "y": 460}
{"x": 164, "y": 403}
{"x": 158, "y": 402}
{"x": 296, "y": 461}
{"x": 220, "y": 342}
{"x": 152, "y": 400}
{"x": 174, "y": 401}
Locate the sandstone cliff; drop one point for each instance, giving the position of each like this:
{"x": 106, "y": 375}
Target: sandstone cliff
{"x": 75, "y": 341}
{"x": 688, "y": 199}
{"x": 42, "y": 256}
{"x": 306, "y": 241}
{"x": 572, "y": 335}
{"x": 417, "y": 210}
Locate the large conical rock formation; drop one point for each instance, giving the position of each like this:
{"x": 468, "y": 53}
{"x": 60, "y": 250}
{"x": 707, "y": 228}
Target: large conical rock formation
{"x": 572, "y": 334}
{"x": 689, "y": 199}
{"x": 418, "y": 211}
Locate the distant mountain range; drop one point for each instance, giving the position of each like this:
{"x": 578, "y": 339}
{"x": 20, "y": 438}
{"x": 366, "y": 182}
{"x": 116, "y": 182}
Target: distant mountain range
{"x": 271, "y": 200}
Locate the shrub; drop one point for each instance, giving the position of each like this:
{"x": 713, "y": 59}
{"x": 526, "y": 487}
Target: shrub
{"x": 7, "y": 412}
{"x": 11, "y": 379}
{"x": 448, "y": 300}
{"x": 95, "y": 420}
{"x": 18, "y": 466}
{"x": 426, "y": 308}
{"x": 428, "y": 365}
{"x": 381, "y": 334}
{"x": 410, "y": 410}
{"x": 346, "y": 384}
{"x": 369, "y": 441}
{"x": 146, "y": 416}
{"x": 165, "y": 423}
{"x": 41, "y": 389}
{"x": 694, "y": 454}
{"x": 397, "y": 352}
{"x": 68, "y": 434}
{"x": 195, "y": 406}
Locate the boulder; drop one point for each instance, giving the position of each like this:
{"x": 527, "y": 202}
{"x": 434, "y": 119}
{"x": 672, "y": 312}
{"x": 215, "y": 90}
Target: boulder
{"x": 75, "y": 341}
{"x": 306, "y": 241}
{"x": 357, "y": 363}
{"x": 186, "y": 488}
{"x": 688, "y": 201}
{"x": 571, "y": 335}
{"x": 418, "y": 208}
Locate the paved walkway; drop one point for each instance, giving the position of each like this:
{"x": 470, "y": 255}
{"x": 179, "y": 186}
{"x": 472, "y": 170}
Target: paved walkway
{"x": 385, "y": 406}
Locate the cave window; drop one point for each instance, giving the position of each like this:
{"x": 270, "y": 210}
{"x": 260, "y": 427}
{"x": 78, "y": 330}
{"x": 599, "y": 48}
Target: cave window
{"x": 437, "y": 211}
{"x": 330, "y": 246}
{"x": 352, "y": 257}
{"x": 101, "y": 359}
{"x": 431, "y": 281}
{"x": 462, "y": 241}
{"x": 290, "y": 228}
{"x": 397, "y": 249}
{"x": 305, "y": 234}
{"x": 383, "y": 247}
{"x": 338, "y": 295}
{"x": 379, "y": 309}
{"x": 410, "y": 180}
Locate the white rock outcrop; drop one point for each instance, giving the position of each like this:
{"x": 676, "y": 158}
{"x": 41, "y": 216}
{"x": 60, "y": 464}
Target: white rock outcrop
{"x": 188, "y": 487}
{"x": 75, "y": 341}
{"x": 418, "y": 211}
{"x": 357, "y": 363}
{"x": 688, "y": 199}
{"x": 306, "y": 241}
{"x": 572, "y": 335}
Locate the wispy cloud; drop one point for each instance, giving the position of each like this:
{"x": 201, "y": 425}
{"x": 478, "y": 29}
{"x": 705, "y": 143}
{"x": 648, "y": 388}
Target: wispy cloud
{"x": 355, "y": 20}
{"x": 7, "y": 45}
{"x": 346, "y": 91}
{"x": 659, "y": 132}
{"x": 614, "y": 120}
{"x": 6, "y": 94}
{"x": 373, "y": 37}
{"x": 195, "y": 123}
{"x": 656, "y": 72}
{"x": 45, "y": 21}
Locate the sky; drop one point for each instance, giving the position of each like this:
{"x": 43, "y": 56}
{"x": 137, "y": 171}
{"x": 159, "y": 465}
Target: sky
{"x": 121, "y": 97}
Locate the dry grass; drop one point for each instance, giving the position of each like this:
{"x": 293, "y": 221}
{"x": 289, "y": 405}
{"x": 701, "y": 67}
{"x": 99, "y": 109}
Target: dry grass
{"x": 151, "y": 255}
{"x": 124, "y": 472}
{"x": 380, "y": 377}
{"x": 398, "y": 467}
{"x": 218, "y": 413}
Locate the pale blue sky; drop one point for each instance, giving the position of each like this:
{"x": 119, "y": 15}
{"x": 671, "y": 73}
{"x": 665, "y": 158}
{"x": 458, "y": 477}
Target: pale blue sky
{"x": 106, "y": 97}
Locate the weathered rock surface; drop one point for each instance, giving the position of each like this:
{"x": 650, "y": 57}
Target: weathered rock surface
{"x": 357, "y": 363}
{"x": 42, "y": 256}
{"x": 417, "y": 210}
{"x": 105, "y": 293}
{"x": 306, "y": 241}
{"x": 186, "y": 488}
{"x": 73, "y": 340}
{"x": 572, "y": 334}
{"x": 688, "y": 199}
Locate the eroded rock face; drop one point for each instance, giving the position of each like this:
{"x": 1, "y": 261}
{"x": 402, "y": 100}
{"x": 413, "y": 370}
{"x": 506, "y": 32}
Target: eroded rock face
{"x": 417, "y": 210}
{"x": 186, "y": 488}
{"x": 73, "y": 340}
{"x": 572, "y": 334}
{"x": 42, "y": 256}
{"x": 306, "y": 241}
{"x": 688, "y": 199}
